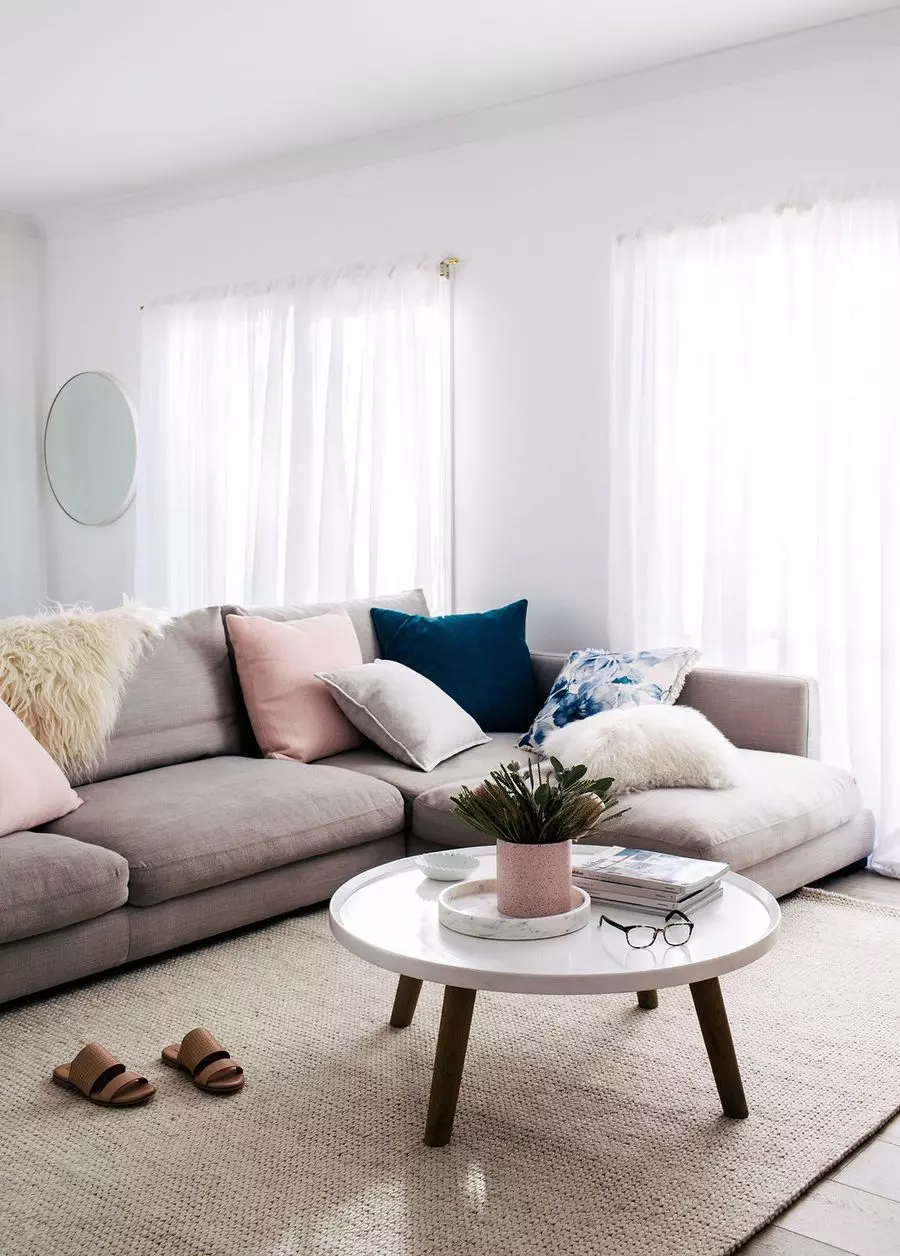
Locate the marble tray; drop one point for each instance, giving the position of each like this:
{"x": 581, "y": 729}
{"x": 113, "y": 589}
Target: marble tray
{"x": 470, "y": 907}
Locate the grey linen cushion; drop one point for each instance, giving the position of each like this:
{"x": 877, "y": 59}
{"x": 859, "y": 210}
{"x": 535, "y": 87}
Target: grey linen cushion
{"x": 180, "y": 704}
{"x": 48, "y": 882}
{"x": 403, "y": 712}
{"x": 194, "y": 825}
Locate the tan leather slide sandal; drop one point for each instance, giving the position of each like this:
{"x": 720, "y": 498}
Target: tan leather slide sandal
{"x": 207, "y": 1061}
{"x": 100, "y": 1077}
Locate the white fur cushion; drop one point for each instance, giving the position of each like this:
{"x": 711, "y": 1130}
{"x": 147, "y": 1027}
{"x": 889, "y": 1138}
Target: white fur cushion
{"x": 649, "y": 747}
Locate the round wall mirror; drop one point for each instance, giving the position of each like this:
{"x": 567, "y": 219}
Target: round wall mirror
{"x": 90, "y": 448}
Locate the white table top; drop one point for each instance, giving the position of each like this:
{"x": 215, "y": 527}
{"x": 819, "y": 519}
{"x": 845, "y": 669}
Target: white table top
{"x": 389, "y": 917}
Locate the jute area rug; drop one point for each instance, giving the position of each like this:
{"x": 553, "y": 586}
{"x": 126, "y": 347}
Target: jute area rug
{"x": 586, "y": 1127}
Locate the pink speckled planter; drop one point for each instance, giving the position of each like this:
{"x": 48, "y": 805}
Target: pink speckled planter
{"x": 534, "y": 880}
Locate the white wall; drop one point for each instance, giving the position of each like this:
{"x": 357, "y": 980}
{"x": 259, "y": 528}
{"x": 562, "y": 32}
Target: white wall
{"x": 533, "y": 216}
{"x": 22, "y": 582}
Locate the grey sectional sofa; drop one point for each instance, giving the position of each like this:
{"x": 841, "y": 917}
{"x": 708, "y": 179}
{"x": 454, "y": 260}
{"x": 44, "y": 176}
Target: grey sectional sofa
{"x": 186, "y": 832}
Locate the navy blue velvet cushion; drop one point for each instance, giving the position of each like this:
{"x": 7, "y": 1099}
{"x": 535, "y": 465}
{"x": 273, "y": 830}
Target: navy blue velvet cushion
{"x": 481, "y": 660}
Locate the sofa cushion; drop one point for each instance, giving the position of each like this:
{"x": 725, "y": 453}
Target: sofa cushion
{"x": 180, "y": 704}
{"x": 291, "y": 711}
{"x": 193, "y": 825}
{"x": 481, "y": 659}
{"x": 48, "y": 882}
{"x": 403, "y": 713}
{"x": 411, "y": 782}
{"x": 33, "y": 788}
{"x": 592, "y": 681}
{"x": 783, "y": 802}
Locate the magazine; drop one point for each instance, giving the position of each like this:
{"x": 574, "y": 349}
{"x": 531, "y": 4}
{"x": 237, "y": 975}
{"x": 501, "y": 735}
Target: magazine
{"x": 610, "y": 897}
{"x": 672, "y": 875}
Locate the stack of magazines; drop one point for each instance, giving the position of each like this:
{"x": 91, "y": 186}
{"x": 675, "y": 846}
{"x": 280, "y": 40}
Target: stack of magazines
{"x": 646, "y": 880}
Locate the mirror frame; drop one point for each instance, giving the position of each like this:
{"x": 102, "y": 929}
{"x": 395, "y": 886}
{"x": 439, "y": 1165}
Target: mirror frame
{"x": 132, "y": 411}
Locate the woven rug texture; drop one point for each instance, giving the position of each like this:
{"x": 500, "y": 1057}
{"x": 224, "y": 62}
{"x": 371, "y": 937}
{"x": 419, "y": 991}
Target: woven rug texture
{"x": 586, "y": 1126}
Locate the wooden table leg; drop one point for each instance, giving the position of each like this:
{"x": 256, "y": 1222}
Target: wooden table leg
{"x": 405, "y": 1000}
{"x": 711, "y": 1014}
{"x": 449, "y": 1059}
{"x": 648, "y": 999}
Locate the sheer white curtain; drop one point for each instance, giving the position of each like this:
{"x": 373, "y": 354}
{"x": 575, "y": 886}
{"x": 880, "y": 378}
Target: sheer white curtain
{"x": 755, "y": 453}
{"x": 296, "y": 442}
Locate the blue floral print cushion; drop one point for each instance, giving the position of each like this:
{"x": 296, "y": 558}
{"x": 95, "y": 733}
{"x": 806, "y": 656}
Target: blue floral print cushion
{"x": 592, "y": 681}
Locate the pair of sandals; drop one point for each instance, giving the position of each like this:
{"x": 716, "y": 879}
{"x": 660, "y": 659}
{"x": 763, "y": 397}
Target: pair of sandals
{"x": 100, "y": 1077}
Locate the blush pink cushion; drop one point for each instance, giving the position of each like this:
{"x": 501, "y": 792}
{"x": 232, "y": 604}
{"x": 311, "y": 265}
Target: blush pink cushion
{"x": 293, "y": 714}
{"x": 33, "y": 787}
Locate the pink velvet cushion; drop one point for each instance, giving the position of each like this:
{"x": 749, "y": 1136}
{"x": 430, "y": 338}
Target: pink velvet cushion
{"x": 293, "y": 714}
{"x": 33, "y": 788}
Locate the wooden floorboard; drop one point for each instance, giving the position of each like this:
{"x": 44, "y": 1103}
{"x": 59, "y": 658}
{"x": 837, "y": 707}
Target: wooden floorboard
{"x": 876, "y": 1169}
{"x": 891, "y": 1133}
{"x": 774, "y": 1241}
{"x": 861, "y": 883}
{"x": 849, "y": 1219}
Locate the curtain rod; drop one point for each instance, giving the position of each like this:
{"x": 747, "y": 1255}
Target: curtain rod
{"x": 444, "y": 268}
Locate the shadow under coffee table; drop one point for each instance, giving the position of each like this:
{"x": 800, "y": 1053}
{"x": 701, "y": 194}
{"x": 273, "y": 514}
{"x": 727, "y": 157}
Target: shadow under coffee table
{"x": 389, "y": 917}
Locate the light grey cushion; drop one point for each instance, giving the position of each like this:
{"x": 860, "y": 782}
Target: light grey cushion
{"x": 187, "y": 827}
{"x": 48, "y": 882}
{"x": 181, "y": 703}
{"x": 783, "y": 802}
{"x": 412, "y": 601}
{"x": 474, "y": 763}
{"x": 403, "y": 712}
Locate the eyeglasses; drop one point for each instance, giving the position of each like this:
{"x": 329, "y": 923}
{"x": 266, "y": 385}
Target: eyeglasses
{"x": 676, "y": 931}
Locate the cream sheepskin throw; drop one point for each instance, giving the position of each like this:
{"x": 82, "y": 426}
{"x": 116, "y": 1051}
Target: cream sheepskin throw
{"x": 64, "y": 673}
{"x": 649, "y": 747}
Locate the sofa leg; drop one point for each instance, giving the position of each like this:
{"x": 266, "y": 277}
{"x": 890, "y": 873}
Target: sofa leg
{"x": 405, "y": 1000}
{"x": 648, "y": 999}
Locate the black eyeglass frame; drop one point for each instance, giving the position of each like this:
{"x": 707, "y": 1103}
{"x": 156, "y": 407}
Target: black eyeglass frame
{"x": 673, "y": 918}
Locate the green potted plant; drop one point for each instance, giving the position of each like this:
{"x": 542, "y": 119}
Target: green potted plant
{"x": 534, "y": 815}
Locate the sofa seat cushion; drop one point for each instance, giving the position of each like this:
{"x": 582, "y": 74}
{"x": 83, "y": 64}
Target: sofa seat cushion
{"x": 194, "y": 825}
{"x": 782, "y": 802}
{"x": 48, "y": 882}
{"x": 475, "y": 762}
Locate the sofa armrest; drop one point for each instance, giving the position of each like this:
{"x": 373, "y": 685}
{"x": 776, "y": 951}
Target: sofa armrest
{"x": 755, "y": 710}
{"x": 758, "y": 710}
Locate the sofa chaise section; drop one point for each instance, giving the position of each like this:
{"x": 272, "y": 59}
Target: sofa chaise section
{"x": 792, "y": 820}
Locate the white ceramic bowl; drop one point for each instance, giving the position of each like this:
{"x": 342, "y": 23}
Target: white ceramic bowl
{"x": 447, "y": 865}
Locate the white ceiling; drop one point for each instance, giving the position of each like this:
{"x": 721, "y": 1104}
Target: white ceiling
{"x": 99, "y": 97}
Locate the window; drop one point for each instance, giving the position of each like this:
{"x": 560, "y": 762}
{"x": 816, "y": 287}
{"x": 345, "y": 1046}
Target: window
{"x": 295, "y": 443}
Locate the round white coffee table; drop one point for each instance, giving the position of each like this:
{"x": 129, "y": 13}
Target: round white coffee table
{"x": 389, "y": 917}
